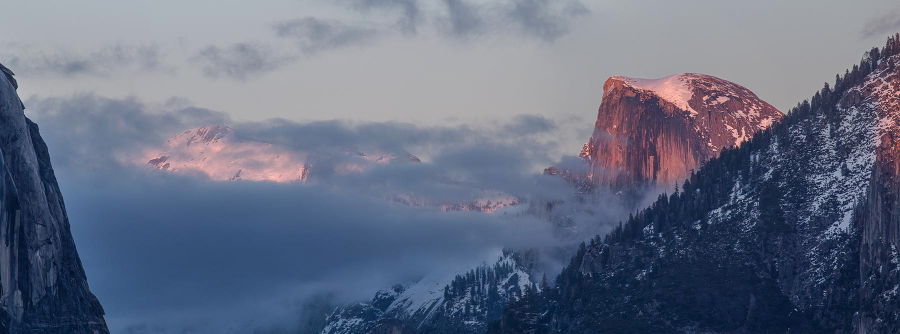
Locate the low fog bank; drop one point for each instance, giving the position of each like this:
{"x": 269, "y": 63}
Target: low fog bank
{"x": 176, "y": 253}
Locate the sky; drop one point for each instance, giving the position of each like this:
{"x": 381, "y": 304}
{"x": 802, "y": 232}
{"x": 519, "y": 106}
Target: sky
{"x": 406, "y": 60}
{"x": 487, "y": 92}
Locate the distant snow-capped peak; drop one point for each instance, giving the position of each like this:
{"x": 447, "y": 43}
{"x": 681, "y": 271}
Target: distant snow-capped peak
{"x": 215, "y": 152}
{"x": 218, "y": 153}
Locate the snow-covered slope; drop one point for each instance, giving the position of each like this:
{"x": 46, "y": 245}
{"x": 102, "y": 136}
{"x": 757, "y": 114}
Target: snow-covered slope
{"x": 461, "y": 303}
{"x": 685, "y": 119}
{"x": 43, "y": 288}
{"x": 797, "y": 230}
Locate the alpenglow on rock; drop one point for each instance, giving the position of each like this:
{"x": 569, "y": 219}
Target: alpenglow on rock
{"x": 43, "y": 288}
{"x": 654, "y": 132}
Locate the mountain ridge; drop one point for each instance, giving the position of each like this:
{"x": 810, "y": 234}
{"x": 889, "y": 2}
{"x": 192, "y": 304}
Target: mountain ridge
{"x": 795, "y": 230}
{"x": 441, "y": 314}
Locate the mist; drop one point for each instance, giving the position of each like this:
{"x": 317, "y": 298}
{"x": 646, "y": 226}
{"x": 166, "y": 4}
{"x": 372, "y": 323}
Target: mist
{"x": 169, "y": 253}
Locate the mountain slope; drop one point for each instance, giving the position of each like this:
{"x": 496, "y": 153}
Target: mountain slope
{"x": 730, "y": 114}
{"x": 43, "y": 288}
{"x": 654, "y": 132}
{"x": 465, "y": 303}
{"x": 794, "y": 231}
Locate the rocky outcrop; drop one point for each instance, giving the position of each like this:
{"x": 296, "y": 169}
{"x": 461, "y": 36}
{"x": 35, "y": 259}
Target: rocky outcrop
{"x": 654, "y": 132}
{"x": 43, "y": 288}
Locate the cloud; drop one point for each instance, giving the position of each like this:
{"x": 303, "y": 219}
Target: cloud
{"x": 460, "y": 161}
{"x": 179, "y": 253}
{"x": 240, "y": 61}
{"x": 170, "y": 254}
{"x": 464, "y": 19}
{"x": 541, "y": 19}
{"x": 545, "y": 19}
{"x": 244, "y": 61}
{"x": 529, "y": 124}
{"x": 314, "y": 34}
{"x": 409, "y": 10}
{"x": 99, "y": 133}
{"x": 884, "y": 24}
{"x": 33, "y": 61}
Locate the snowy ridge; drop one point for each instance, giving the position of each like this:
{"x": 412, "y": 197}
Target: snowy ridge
{"x": 833, "y": 163}
{"x": 214, "y": 151}
{"x": 700, "y": 93}
{"x": 795, "y": 231}
{"x": 463, "y": 302}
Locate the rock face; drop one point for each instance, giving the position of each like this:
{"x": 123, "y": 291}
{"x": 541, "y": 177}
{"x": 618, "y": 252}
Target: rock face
{"x": 794, "y": 231}
{"x": 878, "y": 218}
{"x": 43, "y": 288}
{"x": 654, "y": 132}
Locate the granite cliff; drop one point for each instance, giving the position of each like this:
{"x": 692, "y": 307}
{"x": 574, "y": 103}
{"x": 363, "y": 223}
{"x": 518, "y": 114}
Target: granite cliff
{"x": 43, "y": 288}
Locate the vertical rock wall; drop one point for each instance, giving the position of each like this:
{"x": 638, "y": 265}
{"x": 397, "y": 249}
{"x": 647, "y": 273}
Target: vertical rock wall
{"x": 43, "y": 288}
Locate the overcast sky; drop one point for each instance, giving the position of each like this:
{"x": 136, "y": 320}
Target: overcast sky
{"x": 486, "y": 91}
{"x": 425, "y": 60}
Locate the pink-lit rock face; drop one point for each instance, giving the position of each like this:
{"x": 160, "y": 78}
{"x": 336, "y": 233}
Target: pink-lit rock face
{"x": 653, "y": 132}
{"x": 216, "y": 152}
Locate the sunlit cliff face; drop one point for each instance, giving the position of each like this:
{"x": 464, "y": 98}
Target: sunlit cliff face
{"x": 655, "y": 131}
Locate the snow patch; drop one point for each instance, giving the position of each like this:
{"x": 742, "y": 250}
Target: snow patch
{"x": 674, "y": 89}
